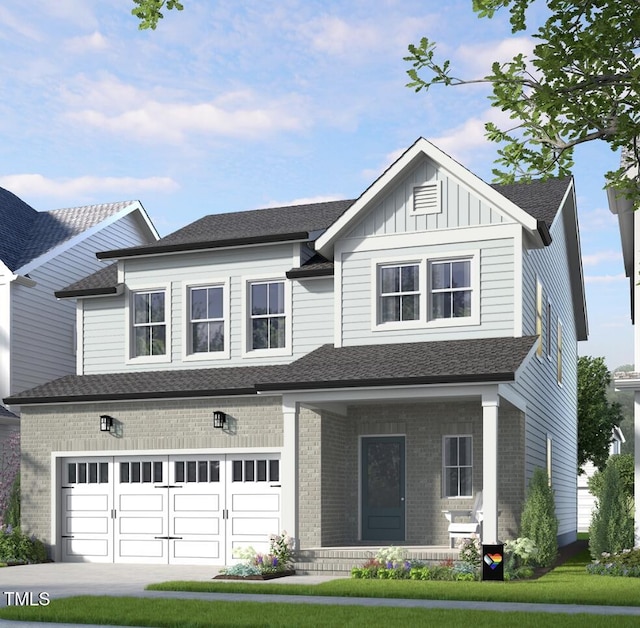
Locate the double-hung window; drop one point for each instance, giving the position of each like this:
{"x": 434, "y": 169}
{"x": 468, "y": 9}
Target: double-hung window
{"x": 457, "y": 469}
{"x": 149, "y": 324}
{"x": 267, "y": 315}
{"x": 206, "y": 319}
{"x": 399, "y": 289}
{"x": 450, "y": 289}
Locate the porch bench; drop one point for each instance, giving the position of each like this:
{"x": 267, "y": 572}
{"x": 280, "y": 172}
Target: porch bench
{"x": 465, "y": 523}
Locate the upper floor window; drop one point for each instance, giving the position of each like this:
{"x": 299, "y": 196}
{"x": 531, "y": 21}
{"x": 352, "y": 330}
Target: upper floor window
{"x": 267, "y": 315}
{"x": 207, "y": 319}
{"x": 149, "y": 324}
{"x": 450, "y": 289}
{"x": 457, "y": 469}
{"x": 399, "y": 293}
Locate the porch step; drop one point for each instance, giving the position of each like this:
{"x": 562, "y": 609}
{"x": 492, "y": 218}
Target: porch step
{"x": 338, "y": 561}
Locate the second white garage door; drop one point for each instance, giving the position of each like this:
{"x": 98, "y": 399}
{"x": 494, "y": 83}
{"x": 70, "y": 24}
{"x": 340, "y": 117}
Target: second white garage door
{"x": 168, "y": 509}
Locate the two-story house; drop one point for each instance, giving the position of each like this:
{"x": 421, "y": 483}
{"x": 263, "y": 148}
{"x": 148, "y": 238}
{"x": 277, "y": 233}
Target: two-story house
{"x": 344, "y": 371}
{"x": 622, "y": 205}
{"x": 41, "y": 252}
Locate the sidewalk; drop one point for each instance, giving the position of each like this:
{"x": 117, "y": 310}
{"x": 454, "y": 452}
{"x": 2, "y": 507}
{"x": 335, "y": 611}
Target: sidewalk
{"x": 67, "y": 579}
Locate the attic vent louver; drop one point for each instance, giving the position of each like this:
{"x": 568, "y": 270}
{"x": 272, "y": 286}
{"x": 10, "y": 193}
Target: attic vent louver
{"x": 427, "y": 198}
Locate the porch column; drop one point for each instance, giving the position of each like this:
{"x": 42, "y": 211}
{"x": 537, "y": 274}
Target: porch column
{"x": 490, "y": 403}
{"x": 289, "y": 467}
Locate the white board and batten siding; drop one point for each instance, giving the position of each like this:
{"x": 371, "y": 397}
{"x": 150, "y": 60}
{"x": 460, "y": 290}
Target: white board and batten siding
{"x": 393, "y": 213}
{"x": 552, "y": 407}
{"x": 43, "y": 328}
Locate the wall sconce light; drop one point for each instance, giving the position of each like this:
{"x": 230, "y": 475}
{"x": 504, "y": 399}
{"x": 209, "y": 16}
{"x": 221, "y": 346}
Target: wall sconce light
{"x": 219, "y": 419}
{"x": 106, "y": 423}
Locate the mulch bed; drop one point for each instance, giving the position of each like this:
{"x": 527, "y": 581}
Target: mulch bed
{"x": 265, "y": 576}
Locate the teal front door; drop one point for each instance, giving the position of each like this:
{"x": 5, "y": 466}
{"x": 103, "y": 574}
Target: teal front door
{"x": 383, "y": 489}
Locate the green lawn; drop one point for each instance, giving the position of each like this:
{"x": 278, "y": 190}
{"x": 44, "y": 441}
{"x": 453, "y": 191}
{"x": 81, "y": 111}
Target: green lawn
{"x": 568, "y": 584}
{"x": 195, "y": 613}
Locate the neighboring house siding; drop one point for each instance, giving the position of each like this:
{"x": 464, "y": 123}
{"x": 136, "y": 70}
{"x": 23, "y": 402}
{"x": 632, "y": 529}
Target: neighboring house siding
{"x": 393, "y": 212}
{"x": 496, "y": 286}
{"x": 552, "y": 408}
{"x": 43, "y": 327}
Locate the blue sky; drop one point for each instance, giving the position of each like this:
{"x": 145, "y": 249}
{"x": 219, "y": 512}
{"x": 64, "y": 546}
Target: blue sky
{"x": 233, "y": 105}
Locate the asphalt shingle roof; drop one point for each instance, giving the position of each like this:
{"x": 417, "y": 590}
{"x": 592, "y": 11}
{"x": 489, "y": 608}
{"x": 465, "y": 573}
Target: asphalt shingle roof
{"x": 6, "y": 414}
{"x": 272, "y": 224}
{"x": 451, "y": 361}
{"x": 25, "y": 233}
{"x": 540, "y": 199}
{"x": 16, "y": 220}
{"x": 447, "y": 361}
{"x": 103, "y": 281}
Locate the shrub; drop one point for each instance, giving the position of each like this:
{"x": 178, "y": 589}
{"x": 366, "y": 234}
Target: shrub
{"x": 625, "y": 465}
{"x": 625, "y": 563}
{"x": 471, "y": 552}
{"x": 520, "y": 554}
{"x": 9, "y": 469}
{"x": 612, "y": 524}
{"x": 278, "y": 559}
{"x": 539, "y": 522}
{"x": 12, "y": 512}
{"x": 16, "y": 547}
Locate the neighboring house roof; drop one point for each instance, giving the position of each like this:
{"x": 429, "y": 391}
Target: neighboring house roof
{"x": 26, "y": 234}
{"x": 16, "y": 220}
{"x": 258, "y": 226}
{"x": 6, "y": 414}
{"x": 449, "y": 361}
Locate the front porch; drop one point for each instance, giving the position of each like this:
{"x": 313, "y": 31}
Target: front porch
{"x": 338, "y": 561}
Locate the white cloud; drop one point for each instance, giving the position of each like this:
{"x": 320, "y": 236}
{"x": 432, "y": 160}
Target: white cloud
{"x": 20, "y": 26}
{"x": 600, "y": 279}
{"x": 87, "y": 43}
{"x": 37, "y": 185}
{"x": 476, "y": 59}
{"x": 119, "y": 108}
{"x": 602, "y": 256}
{"x": 598, "y": 220}
{"x": 322, "y": 198}
{"x": 358, "y": 39}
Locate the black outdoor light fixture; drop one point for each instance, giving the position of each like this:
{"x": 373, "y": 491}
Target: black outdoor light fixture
{"x": 106, "y": 423}
{"x": 219, "y": 419}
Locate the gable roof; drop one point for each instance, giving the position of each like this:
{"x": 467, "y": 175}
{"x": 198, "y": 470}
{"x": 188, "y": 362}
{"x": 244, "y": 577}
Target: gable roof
{"x": 26, "y": 234}
{"x": 16, "y": 220}
{"x": 419, "y": 149}
{"x": 6, "y": 414}
{"x": 405, "y": 364}
{"x": 258, "y": 226}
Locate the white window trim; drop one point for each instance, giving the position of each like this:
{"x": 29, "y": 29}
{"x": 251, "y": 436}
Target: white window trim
{"x": 548, "y": 336}
{"x": 214, "y": 282}
{"x": 474, "y": 319}
{"x": 539, "y": 318}
{"x": 247, "y": 351}
{"x": 549, "y": 456}
{"x": 376, "y": 265}
{"x": 443, "y": 467}
{"x": 423, "y": 263}
{"x": 147, "y": 359}
{"x": 559, "y": 352}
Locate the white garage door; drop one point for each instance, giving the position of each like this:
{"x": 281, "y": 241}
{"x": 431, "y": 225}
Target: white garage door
{"x": 168, "y": 509}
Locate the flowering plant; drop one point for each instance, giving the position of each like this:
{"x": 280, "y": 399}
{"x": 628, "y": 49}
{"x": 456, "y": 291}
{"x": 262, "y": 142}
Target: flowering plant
{"x": 624, "y": 563}
{"x": 278, "y": 559}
